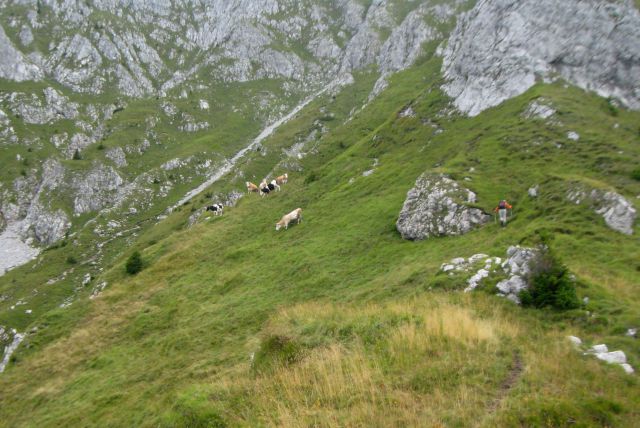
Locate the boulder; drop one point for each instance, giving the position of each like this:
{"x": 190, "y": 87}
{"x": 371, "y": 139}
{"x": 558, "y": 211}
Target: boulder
{"x": 627, "y": 368}
{"x": 599, "y": 349}
{"x": 436, "y": 206}
{"x": 618, "y": 213}
{"x": 615, "y": 357}
{"x": 511, "y": 287}
{"x": 575, "y": 340}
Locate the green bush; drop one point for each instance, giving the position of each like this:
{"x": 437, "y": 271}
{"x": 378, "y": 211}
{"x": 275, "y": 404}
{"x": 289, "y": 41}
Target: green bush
{"x": 76, "y": 155}
{"x": 635, "y": 174}
{"x": 550, "y": 284}
{"x": 71, "y": 260}
{"x": 134, "y": 263}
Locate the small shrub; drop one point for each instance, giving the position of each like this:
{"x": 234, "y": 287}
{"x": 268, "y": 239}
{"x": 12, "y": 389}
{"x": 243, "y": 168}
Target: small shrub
{"x": 635, "y": 174}
{"x": 76, "y": 155}
{"x": 134, "y": 263}
{"x": 101, "y": 146}
{"x": 71, "y": 260}
{"x": 549, "y": 284}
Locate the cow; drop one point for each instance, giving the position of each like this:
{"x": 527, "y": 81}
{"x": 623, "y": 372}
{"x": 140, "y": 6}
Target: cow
{"x": 288, "y": 218}
{"x": 273, "y": 185}
{"x": 216, "y": 209}
{"x": 264, "y": 188}
{"x": 282, "y": 179}
{"x": 252, "y": 188}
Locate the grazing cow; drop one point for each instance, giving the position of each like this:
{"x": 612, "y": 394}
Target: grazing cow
{"x": 274, "y": 186}
{"x": 252, "y": 188}
{"x": 264, "y": 188}
{"x": 216, "y": 209}
{"x": 288, "y": 218}
{"x": 282, "y": 179}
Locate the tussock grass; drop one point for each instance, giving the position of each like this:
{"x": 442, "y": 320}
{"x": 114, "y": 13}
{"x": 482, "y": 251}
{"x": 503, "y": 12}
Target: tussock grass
{"x": 354, "y": 378}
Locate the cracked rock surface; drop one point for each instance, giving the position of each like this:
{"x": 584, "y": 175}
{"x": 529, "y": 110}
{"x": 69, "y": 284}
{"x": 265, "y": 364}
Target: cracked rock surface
{"x": 436, "y": 206}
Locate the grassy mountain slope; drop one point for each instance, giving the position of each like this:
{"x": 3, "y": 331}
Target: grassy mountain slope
{"x": 338, "y": 321}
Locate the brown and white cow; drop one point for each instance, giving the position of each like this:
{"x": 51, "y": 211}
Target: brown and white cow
{"x": 282, "y": 179}
{"x": 252, "y": 188}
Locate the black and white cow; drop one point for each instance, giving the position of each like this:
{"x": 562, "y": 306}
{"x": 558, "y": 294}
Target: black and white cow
{"x": 264, "y": 188}
{"x": 216, "y": 209}
{"x": 274, "y": 186}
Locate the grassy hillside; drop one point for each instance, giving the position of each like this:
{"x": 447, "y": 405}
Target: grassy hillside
{"x": 338, "y": 321}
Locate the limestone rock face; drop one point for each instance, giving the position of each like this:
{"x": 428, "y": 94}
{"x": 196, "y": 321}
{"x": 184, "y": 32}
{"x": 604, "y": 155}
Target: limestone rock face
{"x": 98, "y": 189}
{"x": 117, "y": 155}
{"x": 500, "y": 48}
{"x": 14, "y": 65}
{"x": 436, "y": 207}
{"x": 229, "y": 40}
{"x": 47, "y": 227}
{"x": 34, "y": 111}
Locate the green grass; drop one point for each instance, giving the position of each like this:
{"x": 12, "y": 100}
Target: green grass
{"x": 345, "y": 318}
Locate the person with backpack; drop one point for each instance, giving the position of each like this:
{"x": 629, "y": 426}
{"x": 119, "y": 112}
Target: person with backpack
{"x": 501, "y": 209}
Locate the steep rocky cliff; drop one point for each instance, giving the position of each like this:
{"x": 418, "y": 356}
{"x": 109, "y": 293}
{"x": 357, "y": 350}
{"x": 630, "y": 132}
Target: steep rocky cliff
{"x": 501, "y": 48}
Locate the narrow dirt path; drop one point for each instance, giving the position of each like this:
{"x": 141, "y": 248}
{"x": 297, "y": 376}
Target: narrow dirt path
{"x": 517, "y": 367}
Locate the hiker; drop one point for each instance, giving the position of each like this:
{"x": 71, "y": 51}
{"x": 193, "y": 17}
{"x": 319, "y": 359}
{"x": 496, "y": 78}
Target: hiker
{"x": 501, "y": 209}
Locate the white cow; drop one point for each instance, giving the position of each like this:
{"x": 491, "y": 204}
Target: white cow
{"x": 288, "y": 218}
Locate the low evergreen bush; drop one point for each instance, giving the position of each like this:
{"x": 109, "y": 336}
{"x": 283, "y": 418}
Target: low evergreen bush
{"x": 134, "y": 263}
{"x": 550, "y": 284}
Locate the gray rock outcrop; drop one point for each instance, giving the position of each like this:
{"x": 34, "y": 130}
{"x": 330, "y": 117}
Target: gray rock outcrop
{"x": 501, "y": 48}
{"x": 618, "y": 213}
{"x": 30, "y": 217}
{"x": 33, "y": 110}
{"x": 14, "y": 65}
{"x": 539, "y": 109}
{"x": 117, "y": 155}
{"x": 517, "y": 266}
{"x": 47, "y": 227}
{"x": 436, "y": 206}
{"x": 97, "y": 190}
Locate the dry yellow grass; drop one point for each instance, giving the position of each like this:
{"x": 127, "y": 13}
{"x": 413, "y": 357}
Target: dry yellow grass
{"x": 358, "y": 385}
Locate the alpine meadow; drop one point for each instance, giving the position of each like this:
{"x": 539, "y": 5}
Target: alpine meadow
{"x": 329, "y": 213}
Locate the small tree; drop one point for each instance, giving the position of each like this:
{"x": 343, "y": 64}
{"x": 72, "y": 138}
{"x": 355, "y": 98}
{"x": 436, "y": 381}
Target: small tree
{"x": 134, "y": 263}
{"x": 550, "y": 284}
{"x": 76, "y": 155}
